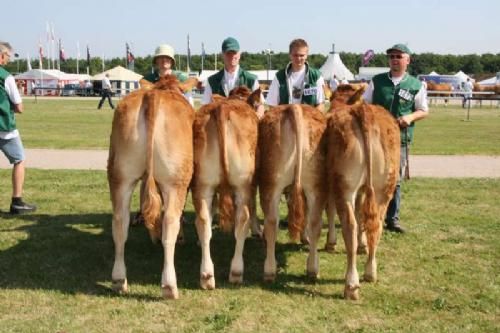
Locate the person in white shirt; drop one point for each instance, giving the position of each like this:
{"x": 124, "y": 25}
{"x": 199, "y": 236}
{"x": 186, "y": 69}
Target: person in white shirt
{"x": 10, "y": 140}
{"x": 106, "y": 92}
{"x": 231, "y": 76}
{"x": 297, "y": 83}
{"x": 334, "y": 83}
{"x": 468, "y": 88}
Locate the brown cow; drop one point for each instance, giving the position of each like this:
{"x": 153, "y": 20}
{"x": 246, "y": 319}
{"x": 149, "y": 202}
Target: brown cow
{"x": 225, "y": 150}
{"x": 152, "y": 138}
{"x": 444, "y": 90}
{"x": 363, "y": 162}
{"x": 293, "y": 154}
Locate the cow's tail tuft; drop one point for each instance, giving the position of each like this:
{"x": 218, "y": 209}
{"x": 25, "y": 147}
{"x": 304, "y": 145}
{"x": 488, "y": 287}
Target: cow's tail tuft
{"x": 296, "y": 219}
{"x": 226, "y": 204}
{"x": 151, "y": 207}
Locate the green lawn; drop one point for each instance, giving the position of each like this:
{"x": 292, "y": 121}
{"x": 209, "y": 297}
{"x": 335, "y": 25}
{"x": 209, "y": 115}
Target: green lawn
{"x": 442, "y": 276}
{"x": 77, "y": 124}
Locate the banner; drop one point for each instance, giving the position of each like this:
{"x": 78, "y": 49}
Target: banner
{"x": 367, "y": 57}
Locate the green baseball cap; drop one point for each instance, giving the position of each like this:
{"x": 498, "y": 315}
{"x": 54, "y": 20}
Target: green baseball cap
{"x": 399, "y": 47}
{"x": 230, "y": 44}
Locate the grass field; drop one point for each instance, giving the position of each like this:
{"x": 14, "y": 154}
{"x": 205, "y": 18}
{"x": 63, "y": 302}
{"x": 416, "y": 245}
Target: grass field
{"x": 442, "y": 276}
{"x": 77, "y": 124}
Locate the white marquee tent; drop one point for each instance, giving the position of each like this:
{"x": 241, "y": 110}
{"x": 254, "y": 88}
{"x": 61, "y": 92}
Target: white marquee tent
{"x": 463, "y": 77}
{"x": 49, "y": 79}
{"x": 334, "y": 66}
{"x": 122, "y": 80}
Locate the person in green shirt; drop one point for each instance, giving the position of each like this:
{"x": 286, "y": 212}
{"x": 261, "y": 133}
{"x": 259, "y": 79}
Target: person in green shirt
{"x": 10, "y": 139}
{"x": 405, "y": 97}
{"x": 164, "y": 63}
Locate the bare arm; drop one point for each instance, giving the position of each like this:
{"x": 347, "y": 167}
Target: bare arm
{"x": 18, "y": 108}
{"x": 406, "y": 120}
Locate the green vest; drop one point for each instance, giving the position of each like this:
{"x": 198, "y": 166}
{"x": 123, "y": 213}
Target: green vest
{"x": 7, "y": 119}
{"x": 399, "y": 100}
{"x": 244, "y": 79}
{"x": 155, "y": 77}
{"x": 312, "y": 75}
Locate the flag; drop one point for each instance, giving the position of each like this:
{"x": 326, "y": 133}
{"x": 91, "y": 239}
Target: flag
{"x": 130, "y": 56}
{"x": 367, "y": 57}
{"x": 28, "y": 62}
{"x": 62, "y": 55}
{"x": 88, "y": 55}
{"x": 40, "y": 54}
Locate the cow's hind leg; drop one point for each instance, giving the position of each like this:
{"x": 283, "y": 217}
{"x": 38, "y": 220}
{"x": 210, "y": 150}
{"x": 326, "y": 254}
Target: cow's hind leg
{"x": 331, "y": 238}
{"x": 174, "y": 198}
{"x": 315, "y": 208}
{"x": 240, "y": 232}
{"x": 203, "y": 197}
{"x": 349, "y": 232}
{"x": 270, "y": 206}
{"x": 121, "y": 194}
{"x": 373, "y": 238}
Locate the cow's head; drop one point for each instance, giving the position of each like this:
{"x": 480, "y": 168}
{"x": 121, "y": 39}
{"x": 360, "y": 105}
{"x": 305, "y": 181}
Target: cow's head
{"x": 346, "y": 94}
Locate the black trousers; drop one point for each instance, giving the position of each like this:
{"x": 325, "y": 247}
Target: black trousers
{"x": 106, "y": 93}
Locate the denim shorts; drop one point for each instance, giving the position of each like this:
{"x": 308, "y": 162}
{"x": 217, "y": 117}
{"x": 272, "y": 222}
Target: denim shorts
{"x": 13, "y": 149}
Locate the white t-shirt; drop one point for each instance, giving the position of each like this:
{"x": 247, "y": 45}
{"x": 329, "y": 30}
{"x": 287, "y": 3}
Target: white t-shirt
{"x": 15, "y": 98}
{"x": 228, "y": 82}
{"x": 420, "y": 97}
{"x": 334, "y": 83}
{"x": 105, "y": 83}
{"x": 295, "y": 83}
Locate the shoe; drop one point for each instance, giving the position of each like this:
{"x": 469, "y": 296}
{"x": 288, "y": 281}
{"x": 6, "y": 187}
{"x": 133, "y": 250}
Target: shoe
{"x": 395, "y": 227}
{"x": 21, "y": 208}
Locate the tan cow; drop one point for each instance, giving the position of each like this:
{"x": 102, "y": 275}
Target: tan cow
{"x": 225, "y": 150}
{"x": 152, "y": 138}
{"x": 292, "y": 152}
{"x": 363, "y": 162}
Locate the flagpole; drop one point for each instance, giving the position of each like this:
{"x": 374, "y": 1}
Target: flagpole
{"x": 77, "y": 57}
{"x": 202, "y": 55}
{"x": 188, "y": 57}
{"x": 53, "y": 48}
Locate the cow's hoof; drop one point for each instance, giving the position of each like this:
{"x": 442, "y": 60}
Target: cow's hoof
{"x": 362, "y": 249}
{"x": 351, "y": 293}
{"x": 312, "y": 276}
{"x": 236, "y": 277}
{"x": 370, "y": 277}
{"x": 304, "y": 240}
{"x": 207, "y": 281}
{"x": 120, "y": 286}
{"x": 330, "y": 247}
{"x": 269, "y": 277}
{"x": 169, "y": 292}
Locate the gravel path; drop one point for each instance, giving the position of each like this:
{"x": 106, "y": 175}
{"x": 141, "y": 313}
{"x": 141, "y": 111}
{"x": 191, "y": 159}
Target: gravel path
{"x": 438, "y": 166}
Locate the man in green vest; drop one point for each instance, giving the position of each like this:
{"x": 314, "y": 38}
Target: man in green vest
{"x": 298, "y": 83}
{"x": 164, "y": 63}
{"x": 405, "y": 98}
{"x": 10, "y": 140}
{"x": 231, "y": 76}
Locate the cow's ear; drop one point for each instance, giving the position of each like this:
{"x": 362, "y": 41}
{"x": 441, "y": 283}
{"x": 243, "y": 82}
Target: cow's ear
{"x": 189, "y": 84}
{"x": 145, "y": 84}
{"x": 357, "y": 97}
{"x": 255, "y": 98}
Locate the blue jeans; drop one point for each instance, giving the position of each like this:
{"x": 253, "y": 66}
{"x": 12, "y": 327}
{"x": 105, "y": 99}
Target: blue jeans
{"x": 392, "y": 215}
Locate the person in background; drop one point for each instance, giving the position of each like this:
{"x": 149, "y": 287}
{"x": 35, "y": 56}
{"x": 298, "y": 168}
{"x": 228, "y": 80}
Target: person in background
{"x": 10, "y": 140}
{"x": 468, "y": 88}
{"x": 344, "y": 81}
{"x": 297, "y": 83}
{"x": 406, "y": 99}
{"x": 231, "y": 76}
{"x": 105, "y": 92}
{"x": 334, "y": 83}
{"x": 164, "y": 63}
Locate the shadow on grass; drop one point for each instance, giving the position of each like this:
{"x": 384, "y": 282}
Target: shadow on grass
{"x": 74, "y": 254}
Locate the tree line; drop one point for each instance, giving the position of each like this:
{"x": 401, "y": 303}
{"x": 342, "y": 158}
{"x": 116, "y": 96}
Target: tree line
{"x": 472, "y": 64}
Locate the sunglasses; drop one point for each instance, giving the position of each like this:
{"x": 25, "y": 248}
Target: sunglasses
{"x": 395, "y": 56}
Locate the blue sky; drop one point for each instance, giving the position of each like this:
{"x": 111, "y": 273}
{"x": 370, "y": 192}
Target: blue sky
{"x": 439, "y": 26}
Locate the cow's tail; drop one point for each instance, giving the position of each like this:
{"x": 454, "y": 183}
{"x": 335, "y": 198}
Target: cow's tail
{"x": 370, "y": 214}
{"x": 226, "y": 206}
{"x": 296, "y": 220}
{"x": 151, "y": 207}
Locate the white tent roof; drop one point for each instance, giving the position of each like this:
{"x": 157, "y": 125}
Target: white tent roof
{"x": 462, "y": 76}
{"x": 488, "y": 82}
{"x": 38, "y": 74}
{"x": 262, "y": 75}
{"x": 433, "y": 73}
{"x": 334, "y": 66}
{"x": 368, "y": 72}
{"x": 118, "y": 73}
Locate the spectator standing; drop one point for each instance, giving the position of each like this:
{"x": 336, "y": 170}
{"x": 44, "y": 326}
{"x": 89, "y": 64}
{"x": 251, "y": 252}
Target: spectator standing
{"x": 10, "y": 140}
{"x": 106, "y": 92}
{"x": 406, "y": 99}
